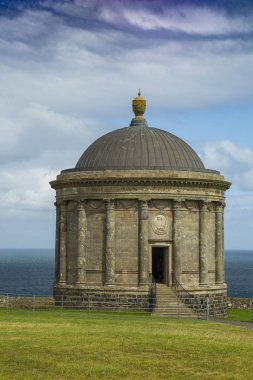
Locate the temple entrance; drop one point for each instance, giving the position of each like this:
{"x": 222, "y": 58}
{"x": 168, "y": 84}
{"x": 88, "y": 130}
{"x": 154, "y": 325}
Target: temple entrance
{"x": 159, "y": 264}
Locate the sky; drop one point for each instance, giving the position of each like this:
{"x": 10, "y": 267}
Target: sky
{"x": 70, "y": 69}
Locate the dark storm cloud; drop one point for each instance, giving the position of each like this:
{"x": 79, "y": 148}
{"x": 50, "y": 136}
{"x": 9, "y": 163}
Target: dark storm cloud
{"x": 149, "y": 18}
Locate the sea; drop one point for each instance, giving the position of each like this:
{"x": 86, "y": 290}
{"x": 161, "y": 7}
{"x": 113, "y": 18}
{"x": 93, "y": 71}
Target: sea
{"x": 31, "y": 272}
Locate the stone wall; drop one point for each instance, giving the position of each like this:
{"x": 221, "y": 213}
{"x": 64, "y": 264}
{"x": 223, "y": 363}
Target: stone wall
{"x": 190, "y": 248}
{"x": 239, "y": 303}
{"x": 95, "y": 243}
{"x": 105, "y": 300}
{"x": 126, "y": 242}
{"x": 71, "y": 241}
{"x": 101, "y": 300}
{"x": 26, "y": 302}
{"x": 213, "y": 303}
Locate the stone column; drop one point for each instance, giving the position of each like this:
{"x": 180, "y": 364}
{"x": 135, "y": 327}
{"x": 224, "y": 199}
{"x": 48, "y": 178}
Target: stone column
{"x": 219, "y": 244}
{"x": 57, "y": 242}
{"x": 177, "y": 236}
{"x": 203, "y": 233}
{"x": 63, "y": 243}
{"x": 110, "y": 243}
{"x": 143, "y": 245}
{"x": 81, "y": 243}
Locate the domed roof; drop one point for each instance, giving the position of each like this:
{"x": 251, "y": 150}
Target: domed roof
{"x": 139, "y": 147}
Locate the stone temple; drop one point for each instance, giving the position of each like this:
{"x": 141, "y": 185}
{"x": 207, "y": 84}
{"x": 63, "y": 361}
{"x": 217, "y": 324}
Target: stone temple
{"x": 138, "y": 208}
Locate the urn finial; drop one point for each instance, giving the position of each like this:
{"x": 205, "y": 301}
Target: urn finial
{"x": 139, "y": 106}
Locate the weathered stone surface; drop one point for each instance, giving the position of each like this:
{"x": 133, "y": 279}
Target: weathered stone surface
{"x": 129, "y": 212}
{"x": 143, "y": 244}
{"x": 81, "y": 243}
{"x": 110, "y": 243}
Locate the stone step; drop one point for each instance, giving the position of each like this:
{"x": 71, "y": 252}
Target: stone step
{"x": 166, "y": 296}
{"x": 172, "y": 304}
{"x": 173, "y": 315}
{"x": 168, "y": 304}
{"x": 173, "y": 309}
{"x": 168, "y": 299}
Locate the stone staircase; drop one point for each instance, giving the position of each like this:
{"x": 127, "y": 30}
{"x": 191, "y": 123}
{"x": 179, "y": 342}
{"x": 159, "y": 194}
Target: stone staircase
{"x": 168, "y": 304}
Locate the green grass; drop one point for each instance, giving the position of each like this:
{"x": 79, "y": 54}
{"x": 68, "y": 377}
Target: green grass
{"x": 242, "y": 315}
{"x": 90, "y": 345}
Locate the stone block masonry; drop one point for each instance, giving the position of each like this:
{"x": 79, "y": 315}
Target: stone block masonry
{"x": 105, "y": 300}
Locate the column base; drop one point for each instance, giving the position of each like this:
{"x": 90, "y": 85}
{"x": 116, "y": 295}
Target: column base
{"x": 110, "y": 284}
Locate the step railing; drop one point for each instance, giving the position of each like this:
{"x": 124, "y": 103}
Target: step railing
{"x": 197, "y": 303}
{"x": 171, "y": 308}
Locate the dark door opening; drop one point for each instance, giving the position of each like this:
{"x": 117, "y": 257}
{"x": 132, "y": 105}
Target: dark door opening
{"x": 158, "y": 264}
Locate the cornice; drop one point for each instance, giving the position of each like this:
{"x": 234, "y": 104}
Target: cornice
{"x": 135, "y": 182}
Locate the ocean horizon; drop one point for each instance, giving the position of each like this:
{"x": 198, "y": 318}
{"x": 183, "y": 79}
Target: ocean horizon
{"x": 31, "y": 272}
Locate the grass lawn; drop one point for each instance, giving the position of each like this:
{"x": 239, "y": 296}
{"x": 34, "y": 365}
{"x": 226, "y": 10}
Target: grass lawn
{"x": 90, "y": 345}
{"x": 240, "y": 315}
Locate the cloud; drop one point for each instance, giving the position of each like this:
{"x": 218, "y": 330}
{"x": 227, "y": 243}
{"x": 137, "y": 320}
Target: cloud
{"x": 26, "y": 189}
{"x": 71, "y": 68}
{"x": 186, "y": 19}
{"x": 62, "y": 87}
{"x": 68, "y": 73}
{"x": 235, "y": 162}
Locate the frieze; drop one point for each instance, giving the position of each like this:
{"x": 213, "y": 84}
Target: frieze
{"x": 190, "y": 206}
{"x": 126, "y": 203}
{"x": 160, "y": 204}
{"x": 95, "y": 204}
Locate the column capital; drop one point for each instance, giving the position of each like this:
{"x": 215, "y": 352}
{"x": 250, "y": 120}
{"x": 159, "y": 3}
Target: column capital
{"x": 178, "y": 204}
{"x": 144, "y": 203}
{"x": 62, "y": 203}
{"x": 81, "y": 203}
{"x": 143, "y": 209}
{"x": 144, "y": 200}
{"x": 220, "y": 206}
{"x": 203, "y": 206}
{"x": 109, "y": 203}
